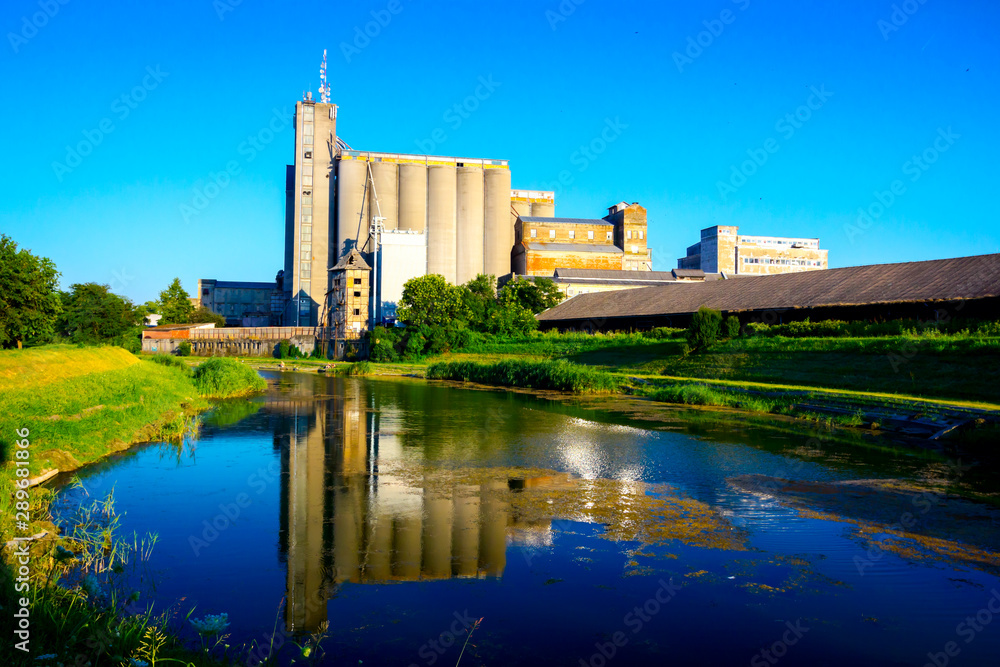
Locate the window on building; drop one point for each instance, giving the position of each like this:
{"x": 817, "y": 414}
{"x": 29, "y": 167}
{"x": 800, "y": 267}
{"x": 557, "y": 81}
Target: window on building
{"x": 572, "y": 233}
{"x": 609, "y": 236}
{"x": 357, "y": 311}
{"x": 640, "y": 234}
{"x": 534, "y": 233}
{"x": 357, "y": 281}
{"x": 635, "y": 248}
{"x": 357, "y": 293}
{"x": 552, "y": 233}
{"x": 309, "y": 154}
{"x": 628, "y": 235}
{"x": 590, "y": 234}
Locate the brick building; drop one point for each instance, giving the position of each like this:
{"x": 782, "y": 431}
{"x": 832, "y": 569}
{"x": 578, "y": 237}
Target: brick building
{"x": 616, "y": 242}
{"x": 351, "y": 278}
{"x": 723, "y": 249}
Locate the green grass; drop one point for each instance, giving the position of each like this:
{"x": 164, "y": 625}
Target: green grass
{"x": 223, "y": 377}
{"x": 532, "y": 374}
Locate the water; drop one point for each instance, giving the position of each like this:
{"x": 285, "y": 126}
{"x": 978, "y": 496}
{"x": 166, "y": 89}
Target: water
{"x": 591, "y": 533}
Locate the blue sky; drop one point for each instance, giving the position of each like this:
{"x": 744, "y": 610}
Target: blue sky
{"x": 681, "y": 106}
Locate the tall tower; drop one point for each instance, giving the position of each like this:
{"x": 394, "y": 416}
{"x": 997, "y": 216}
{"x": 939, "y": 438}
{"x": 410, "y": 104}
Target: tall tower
{"x": 311, "y": 223}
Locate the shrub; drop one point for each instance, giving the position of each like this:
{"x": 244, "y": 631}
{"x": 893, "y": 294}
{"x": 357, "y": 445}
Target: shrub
{"x": 705, "y": 327}
{"x": 382, "y": 343}
{"x": 288, "y": 351}
{"x": 558, "y": 375}
{"x": 222, "y": 377}
{"x": 167, "y": 360}
{"x": 732, "y": 326}
{"x": 184, "y": 349}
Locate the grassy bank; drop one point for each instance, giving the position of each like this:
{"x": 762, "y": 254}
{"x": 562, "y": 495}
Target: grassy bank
{"x": 74, "y": 406}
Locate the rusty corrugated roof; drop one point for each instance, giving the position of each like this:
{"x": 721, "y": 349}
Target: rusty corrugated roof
{"x": 935, "y": 280}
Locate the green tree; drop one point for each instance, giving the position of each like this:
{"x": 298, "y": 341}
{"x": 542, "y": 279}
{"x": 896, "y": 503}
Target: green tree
{"x": 512, "y": 317}
{"x": 536, "y": 295}
{"x": 203, "y": 314}
{"x": 175, "y": 304}
{"x": 706, "y": 325}
{"x": 29, "y": 302}
{"x": 93, "y": 314}
{"x": 429, "y": 301}
{"x": 479, "y": 299}
{"x": 732, "y": 326}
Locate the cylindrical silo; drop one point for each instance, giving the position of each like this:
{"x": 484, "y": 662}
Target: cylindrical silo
{"x": 386, "y": 177}
{"x": 543, "y": 209}
{"x": 352, "y": 205}
{"x": 441, "y": 203}
{"x": 413, "y": 197}
{"x": 498, "y": 229}
{"x": 471, "y": 222}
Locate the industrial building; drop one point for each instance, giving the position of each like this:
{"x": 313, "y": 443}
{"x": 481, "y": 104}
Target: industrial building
{"x": 573, "y": 282}
{"x": 616, "y": 242}
{"x": 243, "y": 304}
{"x": 723, "y": 250}
{"x": 915, "y": 290}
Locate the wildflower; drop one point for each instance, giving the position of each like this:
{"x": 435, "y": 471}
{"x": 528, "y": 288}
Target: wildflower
{"x": 211, "y": 624}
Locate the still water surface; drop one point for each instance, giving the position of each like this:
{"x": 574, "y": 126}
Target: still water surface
{"x": 400, "y": 512}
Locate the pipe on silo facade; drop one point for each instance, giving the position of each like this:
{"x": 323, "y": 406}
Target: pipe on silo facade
{"x": 442, "y": 184}
{"x": 386, "y": 177}
{"x": 413, "y": 197}
{"x": 470, "y": 228}
{"x": 352, "y": 205}
{"x": 498, "y": 228}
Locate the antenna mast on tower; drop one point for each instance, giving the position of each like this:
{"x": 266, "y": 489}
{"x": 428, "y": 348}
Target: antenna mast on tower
{"x": 324, "y": 87}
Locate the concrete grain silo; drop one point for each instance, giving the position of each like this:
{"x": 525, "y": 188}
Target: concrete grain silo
{"x": 412, "y": 197}
{"x": 498, "y": 227}
{"x": 470, "y": 223}
{"x": 543, "y": 209}
{"x": 353, "y": 215}
{"x": 442, "y": 185}
{"x": 386, "y": 177}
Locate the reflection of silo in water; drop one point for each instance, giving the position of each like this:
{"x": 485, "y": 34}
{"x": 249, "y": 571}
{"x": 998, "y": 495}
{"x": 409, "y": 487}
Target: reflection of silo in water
{"x": 412, "y": 197}
{"x": 386, "y": 178}
{"x": 352, "y": 204}
{"x": 438, "y": 516}
{"x": 378, "y": 550}
{"x": 406, "y": 546}
{"x": 441, "y": 221}
{"x": 493, "y": 528}
{"x": 465, "y": 532}
{"x": 470, "y": 230}
{"x": 498, "y": 228}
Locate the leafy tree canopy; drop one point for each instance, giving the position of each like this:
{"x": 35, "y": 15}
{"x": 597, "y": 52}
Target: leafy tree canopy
{"x": 93, "y": 314}
{"x": 535, "y": 295}
{"x": 203, "y": 314}
{"x": 175, "y": 304}
{"x": 430, "y": 301}
{"x": 29, "y": 302}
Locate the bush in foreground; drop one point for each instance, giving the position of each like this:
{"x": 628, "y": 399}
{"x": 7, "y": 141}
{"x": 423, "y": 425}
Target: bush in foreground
{"x": 706, "y": 326}
{"x": 222, "y": 377}
{"x": 557, "y": 375}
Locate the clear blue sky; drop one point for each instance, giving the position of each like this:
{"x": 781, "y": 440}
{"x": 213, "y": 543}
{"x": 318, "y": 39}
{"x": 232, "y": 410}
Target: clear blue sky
{"x": 115, "y": 217}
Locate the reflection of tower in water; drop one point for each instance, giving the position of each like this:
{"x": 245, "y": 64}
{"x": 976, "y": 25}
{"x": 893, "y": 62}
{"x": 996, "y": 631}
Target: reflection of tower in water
{"x": 346, "y": 522}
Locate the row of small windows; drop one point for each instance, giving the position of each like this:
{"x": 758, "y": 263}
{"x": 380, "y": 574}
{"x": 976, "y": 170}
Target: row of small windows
{"x": 572, "y": 234}
{"x": 790, "y": 242}
{"x": 780, "y": 262}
